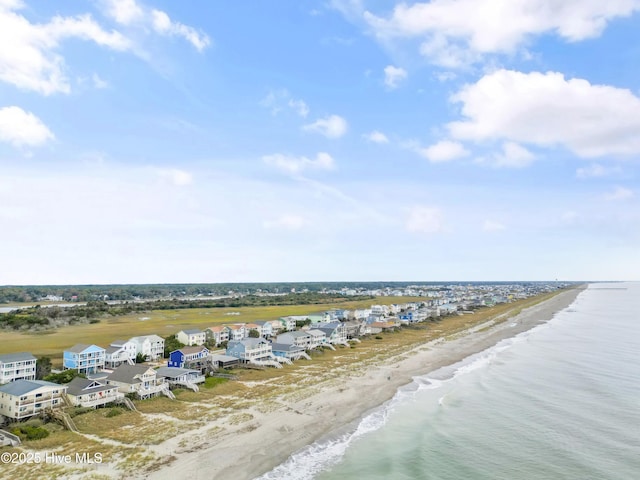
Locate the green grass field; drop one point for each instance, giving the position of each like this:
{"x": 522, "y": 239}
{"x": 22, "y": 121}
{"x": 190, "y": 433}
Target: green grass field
{"x": 161, "y": 322}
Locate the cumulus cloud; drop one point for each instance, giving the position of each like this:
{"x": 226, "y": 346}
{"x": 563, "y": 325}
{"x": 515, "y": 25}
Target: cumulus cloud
{"x": 393, "y": 76}
{"x": 425, "y": 219}
{"x": 131, "y": 13}
{"x": 287, "y": 222}
{"x": 296, "y": 165}
{"x": 547, "y": 110}
{"x": 443, "y": 151}
{"x": 20, "y": 128}
{"x": 98, "y": 82}
{"x": 278, "y": 100}
{"x": 28, "y": 51}
{"x": 177, "y": 177}
{"x": 333, "y": 126}
{"x": 513, "y": 156}
{"x": 619, "y": 194}
{"x": 458, "y": 32}
{"x": 376, "y": 137}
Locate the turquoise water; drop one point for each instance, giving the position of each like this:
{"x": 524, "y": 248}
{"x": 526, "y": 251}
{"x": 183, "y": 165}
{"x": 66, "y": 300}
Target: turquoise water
{"x": 561, "y": 401}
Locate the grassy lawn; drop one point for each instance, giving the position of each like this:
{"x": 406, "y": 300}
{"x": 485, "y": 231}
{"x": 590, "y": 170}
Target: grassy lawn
{"x": 160, "y": 322}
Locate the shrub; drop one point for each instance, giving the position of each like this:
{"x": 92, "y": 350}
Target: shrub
{"x": 114, "y": 412}
{"x": 378, "y": 337}
{"x": 30, "y": 432}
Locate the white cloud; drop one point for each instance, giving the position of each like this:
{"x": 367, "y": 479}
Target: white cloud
{"x": 393, "y": 76}
{"x": 619, "y": 194}
{"x": 333, "y": 126}
{"x": 458, "y": 32}
{"x": 99, "y": 82}
{"x": 545, "y": 109}
{"x": 444, "y": 151}
{"x": 492, "y": 226}
{"x": 513, "y": 156}
{"x": 28, "y": 51}
{"x": 124, "y": 12}
{"x": 424, "y": 219}
{"x": 175, "y": 176}
{"x": 20, "y": 128}
{"x": 277, "y": 100}
{"x": 287, "y": 222}
{"x": 295, "y": 165}
{"x": 596, "y": 170}
{"x": 130, "y": 13}
{"x": 163, "y": 25}
{"x": 376, "y": 137}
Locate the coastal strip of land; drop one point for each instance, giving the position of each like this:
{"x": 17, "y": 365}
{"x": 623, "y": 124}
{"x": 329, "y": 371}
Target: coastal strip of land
{"x": 334, "y": 402}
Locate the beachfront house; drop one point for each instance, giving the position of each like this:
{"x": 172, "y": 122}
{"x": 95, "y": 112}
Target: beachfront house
{"x": 250, "y": 349}
{"x": 217, "y": 334}
{"x": 17, "y": 366}
{"x": 84, "y": 358}
{"x": 219, "y": 361}
{"x": 119, "y": 352}
{"x": 298, "y": 338}
{"x": 141, "y": 380}
{"x": 318, "y": 338}
{"x": 189, "y": 357}
{"x": 289, "y": 351}
{"x": 22, "y": 399}
{"x": 191, "y": 337}
{"x": 84, "y": 392}
{"x": 354, "y": 328}
{"x": 151, "y": 347}
{"x": 181, "y": 377}
{"x": 335, "y": 331}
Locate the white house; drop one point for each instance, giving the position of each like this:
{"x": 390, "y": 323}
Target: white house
{"x": 217, "y": 334}
{"x": 119, "y": 352}
{"x": 237, "y": 331}
{"x": 335, "y": 331}
{"x": 289, "y": 323}
{"x": 151, "y": 346}
{"x": 318, "y": 337}
{"x": 192, "y": 337}
{"x": 299, "y": 338}
{"x": 139, "y": 379}
{"x": 25, "y": 398}
{"x": 17, "y": 366}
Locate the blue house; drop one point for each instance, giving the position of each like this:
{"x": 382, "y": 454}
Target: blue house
{"x": 85, "y": 359}
{"x": 189, "y": 357}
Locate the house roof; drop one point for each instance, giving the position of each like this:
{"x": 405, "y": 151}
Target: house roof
{"x": 316, "y": 333}
{"x": 21, "y": 387}
{"x": 192, "y": 331}
{"x": 16, "y": 357}
{"x": 112, "y": 349}
{"x": 79, "y": 386}
{"x": 118, "y": 343}
{"x": 173, "y": 372}
{"x": 125, "y": 373}
{"x": 142, "y": 338}
{"x": 190, "y": 350}
{"x": 249, "y": 342}
{"x": 218, "y": 328}
{"x": 297, "y": 334}
{"x": 223, "y": 358}
{"x": 78, "y": 348}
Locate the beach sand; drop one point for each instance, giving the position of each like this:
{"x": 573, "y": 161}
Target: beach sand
{"x": 258, "y": 446}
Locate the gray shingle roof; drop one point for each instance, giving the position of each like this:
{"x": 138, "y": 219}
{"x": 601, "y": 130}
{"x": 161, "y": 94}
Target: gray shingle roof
{"x": 192, "y": 331}
{"x": 286, "y": 347}
{"x": 78, "y": 385}
{"x": 78, "y": 348}
{"x": 16, "y": 357}
{"x": 125, "y": 373}
{"x": 173, "y": 372}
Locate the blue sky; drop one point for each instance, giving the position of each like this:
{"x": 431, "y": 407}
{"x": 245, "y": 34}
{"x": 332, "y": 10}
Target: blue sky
{"x": 158, "y": 141}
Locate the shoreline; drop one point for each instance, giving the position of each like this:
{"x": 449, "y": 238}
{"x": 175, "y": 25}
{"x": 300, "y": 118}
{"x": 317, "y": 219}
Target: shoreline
{"x": 339, "y": 405}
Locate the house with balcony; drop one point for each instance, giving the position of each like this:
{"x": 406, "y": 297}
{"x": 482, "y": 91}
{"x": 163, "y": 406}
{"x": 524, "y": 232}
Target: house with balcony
{"x": 189, "y": 357}
{"x": 289, "y": 323}
{"x": 217, "y": 334}
{"x": 181, "y": 377}
{"x": 298, "y": 338}
{"x": 17, "y": 366}
{"x": 150, "y": 346}
{"x": 336, "y": 332}
{"x": 318, "y": 337}
{"x": 119, "y": 352}
{"x": 254, "y": 326}
{"x": 237, "y": 331}
{"x": 250, "y": 350}
{"x": 139, "y": 379}
{"x": 266, "y": 328}
{"x": 289, "y": 351}
{"x": 22, "y": 399}
{"x": 86, "y": 359}
{"x": 191, "y": 337}
{"x": 84, "y": 392}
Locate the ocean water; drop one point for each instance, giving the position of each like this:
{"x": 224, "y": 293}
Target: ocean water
{"x": 561, "y": 401}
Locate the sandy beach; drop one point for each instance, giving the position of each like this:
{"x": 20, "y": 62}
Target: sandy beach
{"x": 269, "y": 438}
